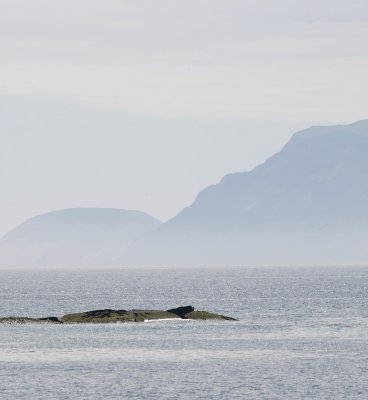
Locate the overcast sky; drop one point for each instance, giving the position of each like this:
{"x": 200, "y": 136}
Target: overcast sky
{"x": 140, "y": 104}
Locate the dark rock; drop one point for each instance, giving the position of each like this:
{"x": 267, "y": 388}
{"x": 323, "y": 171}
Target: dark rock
{"x": 105, "y": 313}
{"x": 181, "y": 311}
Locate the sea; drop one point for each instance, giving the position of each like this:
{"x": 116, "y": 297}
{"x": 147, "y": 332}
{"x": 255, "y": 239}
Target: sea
{"x": 302, "y": 334}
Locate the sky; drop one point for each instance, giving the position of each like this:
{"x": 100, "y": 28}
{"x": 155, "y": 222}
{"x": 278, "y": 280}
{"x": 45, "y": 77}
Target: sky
{"x": 141, "y": 104}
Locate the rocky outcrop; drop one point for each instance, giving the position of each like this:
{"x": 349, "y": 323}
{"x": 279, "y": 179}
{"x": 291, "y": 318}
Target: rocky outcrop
{"x": 111, "y": 316}
{"x": 114, "y": 316}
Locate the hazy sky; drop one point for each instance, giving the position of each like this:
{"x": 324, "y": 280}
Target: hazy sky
{"x": 140, "y": 104}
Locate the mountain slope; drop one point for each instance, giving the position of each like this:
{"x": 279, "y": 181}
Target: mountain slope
{"x": 306, "y": 204}
{"x": 74, "y": 237}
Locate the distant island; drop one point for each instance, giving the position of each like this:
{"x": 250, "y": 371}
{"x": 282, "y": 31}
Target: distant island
{"x": 75, "y": 237}
{"x": 115, "y": 316}
{"x": 306, "y": 205}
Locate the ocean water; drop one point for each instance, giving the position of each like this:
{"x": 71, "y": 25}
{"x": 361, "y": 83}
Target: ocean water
{"x": 302, "y": 334}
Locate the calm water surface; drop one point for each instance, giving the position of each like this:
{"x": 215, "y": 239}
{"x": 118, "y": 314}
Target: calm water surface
{"x": 302, "y": 334}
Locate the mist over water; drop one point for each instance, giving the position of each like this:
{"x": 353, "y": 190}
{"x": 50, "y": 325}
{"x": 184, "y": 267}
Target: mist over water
{"x": 302, "y": 334}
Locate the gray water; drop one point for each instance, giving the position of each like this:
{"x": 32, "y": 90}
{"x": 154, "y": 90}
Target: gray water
{"x": 302, "y": 334}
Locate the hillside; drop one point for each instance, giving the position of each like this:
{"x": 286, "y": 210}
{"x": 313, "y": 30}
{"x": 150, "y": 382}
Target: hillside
{"x": 74, "y": 237}
{"x": 306, "y": 204}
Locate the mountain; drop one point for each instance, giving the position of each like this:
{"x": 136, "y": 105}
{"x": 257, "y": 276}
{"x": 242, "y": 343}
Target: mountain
{"x": 307, "y": 204}
{"x": 74, "y": 237}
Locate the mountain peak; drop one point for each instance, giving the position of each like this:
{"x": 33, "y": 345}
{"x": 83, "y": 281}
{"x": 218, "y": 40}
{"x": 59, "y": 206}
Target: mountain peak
{"x": 356, "y": 128}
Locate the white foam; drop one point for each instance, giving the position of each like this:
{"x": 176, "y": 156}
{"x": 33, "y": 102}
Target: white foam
{"x": 166, "y": 319}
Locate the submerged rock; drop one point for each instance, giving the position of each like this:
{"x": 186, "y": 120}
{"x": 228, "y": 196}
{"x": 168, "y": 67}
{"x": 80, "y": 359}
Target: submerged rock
{"x": 204, "y": 315}
{"x": 27, "y": 320}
